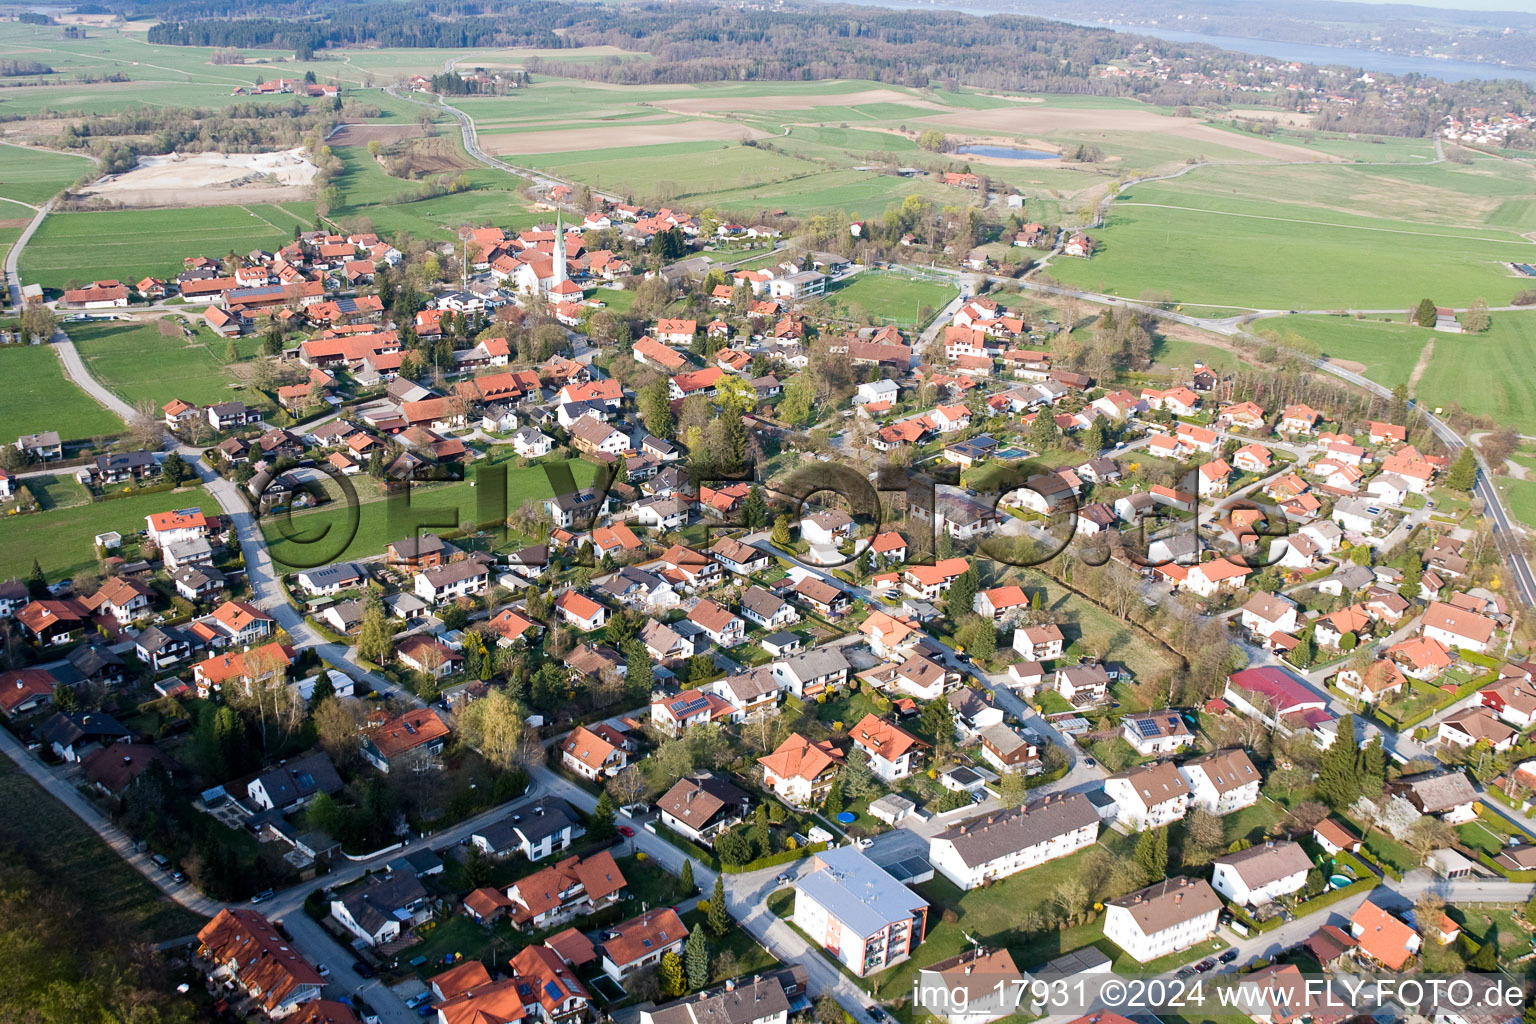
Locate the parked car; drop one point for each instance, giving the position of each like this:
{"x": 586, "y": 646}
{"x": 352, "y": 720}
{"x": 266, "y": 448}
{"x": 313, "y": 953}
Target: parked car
{"x": 263, "y": 896}
{"x": 361, "y": 969}
{"x": 782, "y": 880}
{"x": 1228, "y": 956}
{"x": 626, "y": 831}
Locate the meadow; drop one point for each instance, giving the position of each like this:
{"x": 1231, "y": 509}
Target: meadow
{"x": 434, "y": 506}
{"x": 127, "y": 245}
{"x": 40, "y": 398}
{"x": 138, "y": 363}
{"x": 1270, "y": 255}
{"x": 1487, "y": 374}
{"x": 370, "y": 197}
{"x": 34, "y": 176}
{"x": 49, "y": 834}
{"x": 1387, "y": 350}
{"x": 891, "y": 298}
{"x": 62, "y": 541}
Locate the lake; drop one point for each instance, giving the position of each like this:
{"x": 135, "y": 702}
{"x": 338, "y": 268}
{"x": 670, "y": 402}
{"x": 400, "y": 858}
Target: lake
{"x": 1007, "y": 152}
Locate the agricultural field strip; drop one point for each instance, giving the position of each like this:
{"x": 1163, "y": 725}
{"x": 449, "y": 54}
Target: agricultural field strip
{"x": 1329, "y": 224}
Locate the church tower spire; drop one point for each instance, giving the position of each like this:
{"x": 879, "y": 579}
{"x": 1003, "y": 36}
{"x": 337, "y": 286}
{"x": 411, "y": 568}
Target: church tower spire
{"x": 559, "y": 267}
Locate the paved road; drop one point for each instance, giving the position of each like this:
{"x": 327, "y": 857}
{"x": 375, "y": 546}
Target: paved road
{"x": 13, "y": 258}
{"x": 746, "y": 896}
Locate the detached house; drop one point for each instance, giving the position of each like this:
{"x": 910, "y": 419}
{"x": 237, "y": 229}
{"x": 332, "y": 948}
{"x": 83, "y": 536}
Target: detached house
{"x": 893, "y": 752}
{"x": 1261, "y": 874}
{"x": 800, "y": 772}
{"x": 702, "y": 806}
{"x": 590, "y": 755}
{"x": 641, "y": 942}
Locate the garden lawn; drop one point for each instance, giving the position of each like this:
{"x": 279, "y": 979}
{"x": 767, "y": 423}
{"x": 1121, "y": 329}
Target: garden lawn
{"x": 63, "y": 540}
{"x": 127, "y": 245}
{"x": 40, "y": 398}
{"x": 141, "y": 365}
{"x": 1091, "y": 628}
{"x": 893, "y": 298}
{"x": 71, "y": 854}
{"x": 750, "y": 957}
{"x": 1222, "y": 250}
{"x": 298, "y": 542}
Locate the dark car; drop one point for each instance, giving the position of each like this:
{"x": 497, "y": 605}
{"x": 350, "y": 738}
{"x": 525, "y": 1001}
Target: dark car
{"x": 1205, "y": 965}
{"x": 361, "y": 969}
{"x": 1228, "y": 956}
{"x": 1185, "y": 972}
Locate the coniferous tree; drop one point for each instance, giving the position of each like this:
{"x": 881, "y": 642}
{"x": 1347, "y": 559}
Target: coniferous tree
{"x": 696, "y": 959}
{"x": 685, "y": 878}
{"x": 719, "y": 914}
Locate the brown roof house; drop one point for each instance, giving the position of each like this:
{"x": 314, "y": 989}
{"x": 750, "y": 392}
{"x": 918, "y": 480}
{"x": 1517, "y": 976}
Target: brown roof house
{"x": 1165, "y": 918}
{"x": 702, "y": 806}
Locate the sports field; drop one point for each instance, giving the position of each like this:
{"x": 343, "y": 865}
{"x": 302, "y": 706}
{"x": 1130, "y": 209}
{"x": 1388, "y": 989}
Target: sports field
{"x": 138, "y": 363}
{"x": 127, "y": 245}
{"x": 891, "y": 298}
{"x": 39, "y": 397}
{"x": 1207, "y": 249}
{"x": 62, "y": 540}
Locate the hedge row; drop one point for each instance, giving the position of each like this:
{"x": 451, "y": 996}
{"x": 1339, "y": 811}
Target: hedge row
{"x": 775, "y": 859}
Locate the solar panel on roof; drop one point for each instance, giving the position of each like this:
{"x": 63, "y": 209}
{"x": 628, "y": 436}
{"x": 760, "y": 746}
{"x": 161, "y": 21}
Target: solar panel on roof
{"x": 552, "y": 990}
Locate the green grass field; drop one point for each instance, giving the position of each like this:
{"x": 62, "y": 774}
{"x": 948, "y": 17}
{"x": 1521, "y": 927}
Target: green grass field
{"x": 138, "y": 363}
{"x": 67, "y": 851}
{"x": 1388, "y": 351}
{"x": 127, "y": 245}
{"x": 61, "y": 540}
{"x": 41, "y": 398}
{"x": 36, "y": 175}
{"x": 893, "y": 298}
{"x": 370, "y": 194}
{"x": 1487, "y": 374}
{"x": 1221, "y": 250}
{"x": 1178, "y": 354}
{"x": 441, "y": 507}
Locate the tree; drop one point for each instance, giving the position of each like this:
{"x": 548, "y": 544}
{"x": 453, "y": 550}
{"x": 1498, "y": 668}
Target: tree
{"x": 497, "y": 728}
{"x": 375, "y": 637}
{"x": 1151, "y": 854}
{"x": 960, "y": 600}
{"x": 1463, "y": 472}
{"x": 696, "y": 959}
{"x": 780, "y": 535}
{"x": 601, "y": 825}
{"x": 1486, "y": 959}
{"x": 1205, "y": 830}
{"x": 336, "y": 727}
{"x": 38, "y": 321}
{"x": 1043, "y": 432}
{"x": 733, "y": 847}
{"x": 754, "y": 509}
{"x": 65, "y": 698}
{"x": 938, "y": 720}
{"x": 857, "y": 778}
{"x": 656, "y": 409}
{"x": 1476, "y": 320}
{"x": 832, "y": 803}
{"x": 37, "y": 583}
{"x": 671, "y": 977}
{"x": 719, "y": 916}
{"x": 827, "y": 1010}
{"x": 1373, "y": 769}
{"x": 1093, "y": 439}
{"x": 1424, "y": 315}
{"x": 174, "y": 469}
{"x": 1338, "y": 781}
{"x": 685, "y": 877}
{"x": 1013, "y": 790}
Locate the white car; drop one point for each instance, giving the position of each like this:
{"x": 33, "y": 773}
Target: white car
{"x": 864, "y": 843}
